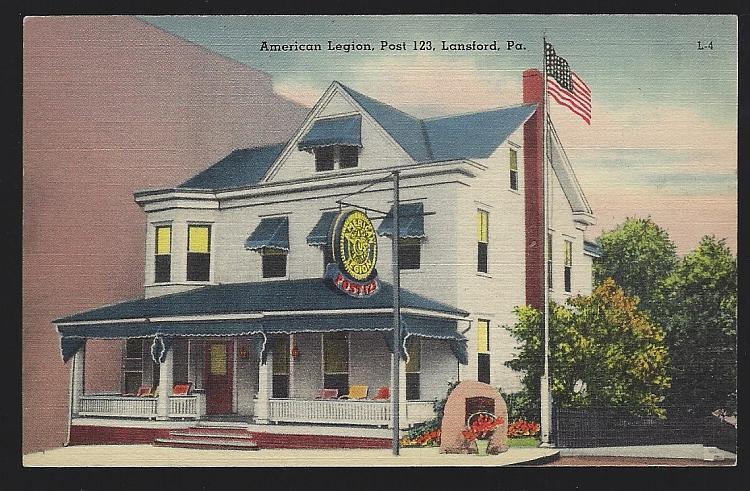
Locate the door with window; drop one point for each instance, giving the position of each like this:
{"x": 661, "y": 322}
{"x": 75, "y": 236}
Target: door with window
{"x": 218, "y": 383}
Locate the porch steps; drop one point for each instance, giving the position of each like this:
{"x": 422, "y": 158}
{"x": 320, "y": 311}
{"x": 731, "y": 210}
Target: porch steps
{"x": 216, "y": 438}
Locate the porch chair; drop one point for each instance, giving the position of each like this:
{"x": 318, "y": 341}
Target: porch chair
{"x": 327, "y": 394}
{"x": 356, "y": 392}
{"x": 384, "y": 393}
{"x": 182, "y": 389}
{"x": 143, "y": 391}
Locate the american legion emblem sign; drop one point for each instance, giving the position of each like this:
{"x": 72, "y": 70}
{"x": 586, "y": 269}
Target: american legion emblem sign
{"x": 355, "y": 252}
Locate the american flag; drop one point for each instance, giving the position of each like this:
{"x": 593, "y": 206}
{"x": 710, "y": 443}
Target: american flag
{"x": 565, "y": 87}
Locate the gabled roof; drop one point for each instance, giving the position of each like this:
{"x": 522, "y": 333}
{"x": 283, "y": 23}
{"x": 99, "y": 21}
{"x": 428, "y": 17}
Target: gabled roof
{"x": 467, "y": 136}
{"x": 244, "y": 167}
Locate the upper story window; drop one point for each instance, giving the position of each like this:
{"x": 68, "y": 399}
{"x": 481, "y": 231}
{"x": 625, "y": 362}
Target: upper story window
{"x": 163, "y": 254}
{"x": 568, "y": 264}
{"x": 199, "y": 253}
{"x": 409, "y": 253}
{"x": 513, "y": 169}
{"x": 274, "y": 262}
{"x": 483, "y": 235}
{"x": 327, "y": 158}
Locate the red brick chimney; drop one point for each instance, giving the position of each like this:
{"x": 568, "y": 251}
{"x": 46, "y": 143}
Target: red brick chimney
{"x": 533, "y": 136}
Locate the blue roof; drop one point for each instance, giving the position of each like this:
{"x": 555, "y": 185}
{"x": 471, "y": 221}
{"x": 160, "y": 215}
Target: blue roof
{"x": 466, "y": 136}
{"x": 272, "y": 232}
{"x": 265, "y": 296}
{"x": 475, "y": 135}
{"x": 245, "y": 167}
{"x": 344, "y": 130}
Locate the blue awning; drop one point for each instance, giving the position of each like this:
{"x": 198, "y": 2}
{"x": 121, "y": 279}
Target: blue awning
{"x": 431, "y": 328}
{"x": 272, "y": 233}
{"x": 319, "y": 234}
{"x": 410, "y": 221}
{"x": 345, "y": 130}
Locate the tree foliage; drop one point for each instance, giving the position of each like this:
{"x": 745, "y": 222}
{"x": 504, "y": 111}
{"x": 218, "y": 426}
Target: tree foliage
{"x": 697, "y": 306}
{"x": 601, "y": 340}
{"x": 638, "y": 255}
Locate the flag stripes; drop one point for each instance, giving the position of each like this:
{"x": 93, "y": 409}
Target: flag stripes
{"x": 565, "y": 87}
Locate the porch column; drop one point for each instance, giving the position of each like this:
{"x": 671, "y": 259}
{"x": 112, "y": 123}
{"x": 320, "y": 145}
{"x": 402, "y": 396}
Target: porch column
{"x": 265, "y": 385}
{"x": 77, "y": 376}
{"x": 166, "y": 381}
{"x": 402, "y": 421}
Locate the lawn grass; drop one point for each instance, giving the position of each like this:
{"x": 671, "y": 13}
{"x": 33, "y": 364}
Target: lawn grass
{"x": 524, "y": 441}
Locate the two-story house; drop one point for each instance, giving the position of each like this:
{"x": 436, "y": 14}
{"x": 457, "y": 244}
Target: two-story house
{"x": 238, "y": 323}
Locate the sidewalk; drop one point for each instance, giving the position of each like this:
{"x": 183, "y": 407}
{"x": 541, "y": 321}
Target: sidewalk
{"x": 681, "y": 451}
{"x": 149, "y": 456}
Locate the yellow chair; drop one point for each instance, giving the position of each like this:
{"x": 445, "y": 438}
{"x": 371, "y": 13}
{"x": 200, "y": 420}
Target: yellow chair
{"x": 356, "y": 392}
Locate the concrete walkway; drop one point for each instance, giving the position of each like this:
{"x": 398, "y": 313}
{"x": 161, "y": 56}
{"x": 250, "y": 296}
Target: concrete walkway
{"x": 682, "y": 451}
{"x": 149, "y": 456}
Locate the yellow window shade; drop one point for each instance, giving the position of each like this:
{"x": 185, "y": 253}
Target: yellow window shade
{"x": 198, "y": 238}
{"x": 482, "y": 225}
{"x": 513, "y": 160}
{"x": 483, "y": 336}
{"x": 568, "y": 253}
{"x": 163, "y": 240}
{"x": 218, "y": 355}
{"x": 414, "y": 349}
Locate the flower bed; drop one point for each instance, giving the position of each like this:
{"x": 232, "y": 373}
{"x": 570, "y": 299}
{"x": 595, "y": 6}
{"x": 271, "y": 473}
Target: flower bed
{"x": 522, "y": 428}
{"x": 428, "y": 435}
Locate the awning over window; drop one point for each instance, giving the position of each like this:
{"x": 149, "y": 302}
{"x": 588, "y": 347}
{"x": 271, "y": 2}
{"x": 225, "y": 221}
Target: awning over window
{"x": 345, "y": 130}
{"x": 411, "y": 221}
{"x": 431, "y": 328}
{"x": 272, "y": 233}
{"x": 319, "y": 234}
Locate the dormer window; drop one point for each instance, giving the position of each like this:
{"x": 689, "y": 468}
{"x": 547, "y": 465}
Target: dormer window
{"x": 334, "y": 141}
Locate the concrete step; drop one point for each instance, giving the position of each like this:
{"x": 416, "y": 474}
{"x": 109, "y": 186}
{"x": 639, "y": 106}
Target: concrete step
{"x": 195, "y": 435}
{"x": 215, "y": 430}
{"x": 212, "y": 444}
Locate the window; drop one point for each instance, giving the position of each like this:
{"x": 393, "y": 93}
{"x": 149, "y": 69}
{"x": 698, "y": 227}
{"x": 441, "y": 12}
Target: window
{"x": 482, "y": 240}
{"x": 281, "y": 367}
{"x": 549, "y": 261}
{"x": 274, "y": 262}
{"x": 163, "y": 254}
{"x": 483, "y": 348}
{"x": 132, "y": 364}
{"x": 413, "y": 367}
{"x": 347, "y": 157}
{"x": 199, "y": 253}
{"x": 568, "y": 264}
{"x": 513, "y": 170}
{"x": 336, "y": 361}
{"x": 409, "y": 251}
{"x": 323, "y": 158}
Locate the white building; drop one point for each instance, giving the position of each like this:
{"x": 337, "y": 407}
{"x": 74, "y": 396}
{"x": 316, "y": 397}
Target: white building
{"x": 235, "y": 302}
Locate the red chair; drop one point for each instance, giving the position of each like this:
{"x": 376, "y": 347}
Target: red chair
{"x": 384, "y": 393}
{"x": 182, "y": 389}
{"x": 143, "y": 391}
{"x": 328, "y": 394}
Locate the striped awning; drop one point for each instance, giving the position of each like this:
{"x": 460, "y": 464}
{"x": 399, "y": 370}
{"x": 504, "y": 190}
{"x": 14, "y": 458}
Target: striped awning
{"x": 319, "y": 234}
{"x": 410, "y": 221}
{"x": 344, "y": 130}
{"x": 272, "y": 233}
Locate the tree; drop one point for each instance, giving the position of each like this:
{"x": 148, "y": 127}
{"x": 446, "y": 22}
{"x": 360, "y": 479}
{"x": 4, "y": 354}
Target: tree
{"x": 638, "y": 255}
{"x": 697, "y": 306}
{"x": 603, "y": 352}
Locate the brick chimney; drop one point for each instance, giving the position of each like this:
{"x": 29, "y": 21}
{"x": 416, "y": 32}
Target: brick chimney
{"x": 533, "y": 136}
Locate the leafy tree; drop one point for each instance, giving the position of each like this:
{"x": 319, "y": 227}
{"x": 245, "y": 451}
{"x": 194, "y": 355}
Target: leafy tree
{"x": 638, "y": 255}
{"x": 602, "y": 341}
{"x": 697, "y": 305}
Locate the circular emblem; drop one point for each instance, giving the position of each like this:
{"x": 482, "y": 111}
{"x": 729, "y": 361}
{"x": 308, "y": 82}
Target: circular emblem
{"x": 355, "y": 245}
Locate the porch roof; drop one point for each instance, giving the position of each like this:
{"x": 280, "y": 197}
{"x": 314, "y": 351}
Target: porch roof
{"x": 243, "y": 309}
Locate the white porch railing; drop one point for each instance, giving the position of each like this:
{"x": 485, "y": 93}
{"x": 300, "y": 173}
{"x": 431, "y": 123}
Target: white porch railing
{"x": 334, "y": 411}
{"x": 117, "y": 406}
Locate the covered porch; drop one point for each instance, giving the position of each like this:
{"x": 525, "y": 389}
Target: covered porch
{"x": 265, "y": 366}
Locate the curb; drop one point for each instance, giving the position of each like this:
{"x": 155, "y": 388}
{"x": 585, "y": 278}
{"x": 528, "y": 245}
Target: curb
{"x": 545, "y": 459}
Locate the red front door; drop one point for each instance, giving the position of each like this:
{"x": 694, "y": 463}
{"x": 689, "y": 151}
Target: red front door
{"x": 219, "y": 366}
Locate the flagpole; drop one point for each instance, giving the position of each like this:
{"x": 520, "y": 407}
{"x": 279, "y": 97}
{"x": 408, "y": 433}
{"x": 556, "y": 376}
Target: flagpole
{"x": 545, "y": 399}
{"x": 396, "y": 358}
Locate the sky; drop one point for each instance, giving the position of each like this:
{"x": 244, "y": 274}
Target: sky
{"x": 663, "y": 137}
